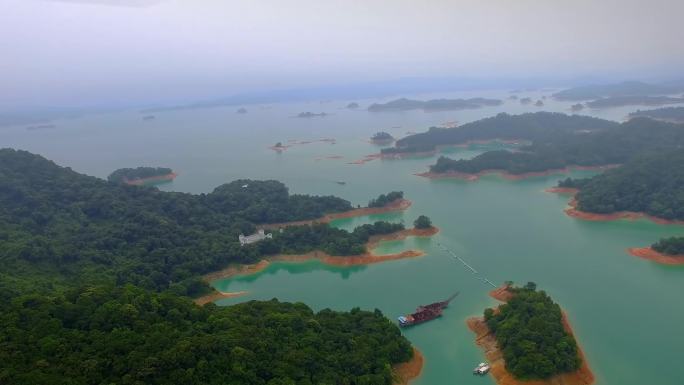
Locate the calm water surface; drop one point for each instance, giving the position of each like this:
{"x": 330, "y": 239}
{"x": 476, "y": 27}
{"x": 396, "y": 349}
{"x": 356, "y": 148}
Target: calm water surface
{"x": 627, "y": 313}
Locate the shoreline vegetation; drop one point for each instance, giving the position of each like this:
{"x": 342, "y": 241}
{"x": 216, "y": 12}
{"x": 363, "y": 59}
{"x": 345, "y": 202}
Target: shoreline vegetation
{"x": 574, "y": 212}
{"x": 507, "y": 175}
{"x": 366, "y": 258}
{"x": 486, "y": 340}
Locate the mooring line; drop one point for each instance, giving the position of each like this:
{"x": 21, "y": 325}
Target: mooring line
{"x": 472, "y": 269}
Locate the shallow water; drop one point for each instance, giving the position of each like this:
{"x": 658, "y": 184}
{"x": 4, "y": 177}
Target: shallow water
{"x": 626, "y": 312}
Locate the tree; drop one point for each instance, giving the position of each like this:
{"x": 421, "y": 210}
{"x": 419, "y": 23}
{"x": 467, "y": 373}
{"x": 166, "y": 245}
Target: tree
{"x": 422, "y": 222}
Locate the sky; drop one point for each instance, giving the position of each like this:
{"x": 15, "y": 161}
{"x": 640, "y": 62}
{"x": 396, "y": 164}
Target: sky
{"x": 99, "y": 52}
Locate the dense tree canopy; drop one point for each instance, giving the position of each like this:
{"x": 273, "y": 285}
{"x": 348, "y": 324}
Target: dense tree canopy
{"x": 127, "y": 174}
{"x": 558, "y": 148}
{"x": 126, "y": 335}
{"x": 59, "y": 227}
{"x": 385, "y": 199}
{"x": 652, "y": 183}
{"x": 422, "y": 222}
{"x": 670, "y": 246}
{"x": 529, "y": 330}
{"x": 539, "y": 126}
{"x": 303, "y": 239}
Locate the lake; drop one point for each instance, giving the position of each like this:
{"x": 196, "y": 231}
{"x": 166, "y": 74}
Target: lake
{"x": 626, "y": 312}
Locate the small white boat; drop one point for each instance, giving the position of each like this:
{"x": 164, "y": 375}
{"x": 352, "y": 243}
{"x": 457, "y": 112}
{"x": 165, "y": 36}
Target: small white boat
{"x": 481, "y": 369}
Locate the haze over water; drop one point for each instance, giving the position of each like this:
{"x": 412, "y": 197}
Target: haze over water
{"x": 626, "y": 312}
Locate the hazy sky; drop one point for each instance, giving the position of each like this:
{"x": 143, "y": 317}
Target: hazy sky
{"x": 70, "y": 52}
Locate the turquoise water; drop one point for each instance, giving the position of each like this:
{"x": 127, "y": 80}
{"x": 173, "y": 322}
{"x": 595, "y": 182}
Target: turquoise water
{"x": 626, "y": 312}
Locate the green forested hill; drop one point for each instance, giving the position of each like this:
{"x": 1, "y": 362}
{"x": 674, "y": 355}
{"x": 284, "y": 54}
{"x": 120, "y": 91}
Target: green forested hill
{"x": 561, "y": 148}
{"x": 652, "y": 183}
{"x": 59, "y": 227}
{"x": 539, "y": 126}
{"x": 125, "y": 335}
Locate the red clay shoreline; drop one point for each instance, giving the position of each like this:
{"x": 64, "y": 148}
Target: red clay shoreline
{"x": 487, "y": 341}
{"x": 587, "y": 216}
{"x": 507, "y": 175}
{"x": 151, "y": 179}
{"x": 407, "y": 371}
{"x": 362, "y": 259}
{"x": 654, "y": 256}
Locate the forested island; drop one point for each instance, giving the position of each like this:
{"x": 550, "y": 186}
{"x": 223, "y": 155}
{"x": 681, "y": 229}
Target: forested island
{"x": 95, "y": 278}
{"x": 668, "y": 114}
{"x": 562, "y": 141}
{"x": 404, "y": 104}
{"x": 628, "y": 88}
{"x": 382, "y": 138}
{"x": 141, "y": 175}
{"x": 651, "y": 183}
{"x": 107, "y": 335}
{"x": 532, "y": 334}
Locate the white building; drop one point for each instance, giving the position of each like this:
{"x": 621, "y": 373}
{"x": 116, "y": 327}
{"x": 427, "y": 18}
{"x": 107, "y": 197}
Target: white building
{"x": 258, "y": 236}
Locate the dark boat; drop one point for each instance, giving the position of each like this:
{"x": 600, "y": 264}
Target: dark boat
{"x": 425, "y": 313}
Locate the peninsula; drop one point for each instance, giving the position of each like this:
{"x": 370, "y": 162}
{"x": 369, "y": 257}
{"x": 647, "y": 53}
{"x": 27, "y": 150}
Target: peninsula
{"x": 528, "y": 339}
{"x": 667, "y": 251}
{"x": 649, "y": 185}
